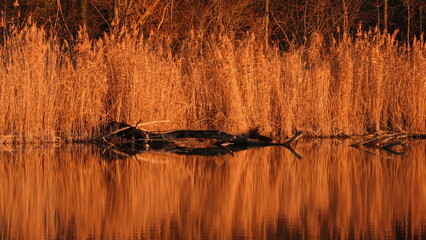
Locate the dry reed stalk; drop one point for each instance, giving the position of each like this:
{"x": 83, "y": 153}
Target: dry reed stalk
{"x": 230, "y": 102}
{"x": 343, "y": 97}
{"x": 417, "y": 93}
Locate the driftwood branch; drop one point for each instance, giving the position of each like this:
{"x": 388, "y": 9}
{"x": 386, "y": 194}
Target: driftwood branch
{"x": 383, "y": 141}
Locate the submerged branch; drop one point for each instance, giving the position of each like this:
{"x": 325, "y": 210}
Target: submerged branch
{"x": 383, "y": 141}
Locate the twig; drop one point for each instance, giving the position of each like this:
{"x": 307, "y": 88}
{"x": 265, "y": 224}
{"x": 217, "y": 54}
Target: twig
{"x": 112, "y": 133}
{"x": 294, "y": 138}
{"x": 152, "y": 122}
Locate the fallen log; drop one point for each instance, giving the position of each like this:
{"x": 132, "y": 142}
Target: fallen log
{"x": 127, "y": 140}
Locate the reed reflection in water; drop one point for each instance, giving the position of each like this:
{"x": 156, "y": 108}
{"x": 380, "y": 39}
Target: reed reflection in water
{"x": 335, "y": 191}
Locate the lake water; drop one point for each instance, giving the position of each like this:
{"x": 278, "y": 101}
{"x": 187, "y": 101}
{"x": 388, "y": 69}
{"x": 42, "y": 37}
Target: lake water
{"x": 333, "y": 192}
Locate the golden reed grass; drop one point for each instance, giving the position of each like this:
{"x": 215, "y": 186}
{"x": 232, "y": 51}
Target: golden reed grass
{"x": 335, "y": 192}
{"x": 355, "y": 86}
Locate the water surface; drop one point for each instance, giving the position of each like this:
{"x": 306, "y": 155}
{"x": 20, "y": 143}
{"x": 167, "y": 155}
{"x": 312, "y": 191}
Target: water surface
{"x": 333, "y": 192}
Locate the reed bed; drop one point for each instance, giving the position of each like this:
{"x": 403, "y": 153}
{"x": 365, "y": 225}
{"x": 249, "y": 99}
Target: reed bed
{"x": 50, "y": 89}
{"x": 335, "y": 192}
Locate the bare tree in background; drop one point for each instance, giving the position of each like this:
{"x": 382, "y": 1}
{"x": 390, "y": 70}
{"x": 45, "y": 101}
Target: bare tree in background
{"x": 267, "y": 22}
{"x": 385, "y": 14}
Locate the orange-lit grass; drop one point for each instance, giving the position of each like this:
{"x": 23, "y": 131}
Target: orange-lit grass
{"x": 355, "y": 86}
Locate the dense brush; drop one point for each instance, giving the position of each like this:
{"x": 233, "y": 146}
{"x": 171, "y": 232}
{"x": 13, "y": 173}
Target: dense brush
{"x": 354, "y": 86}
